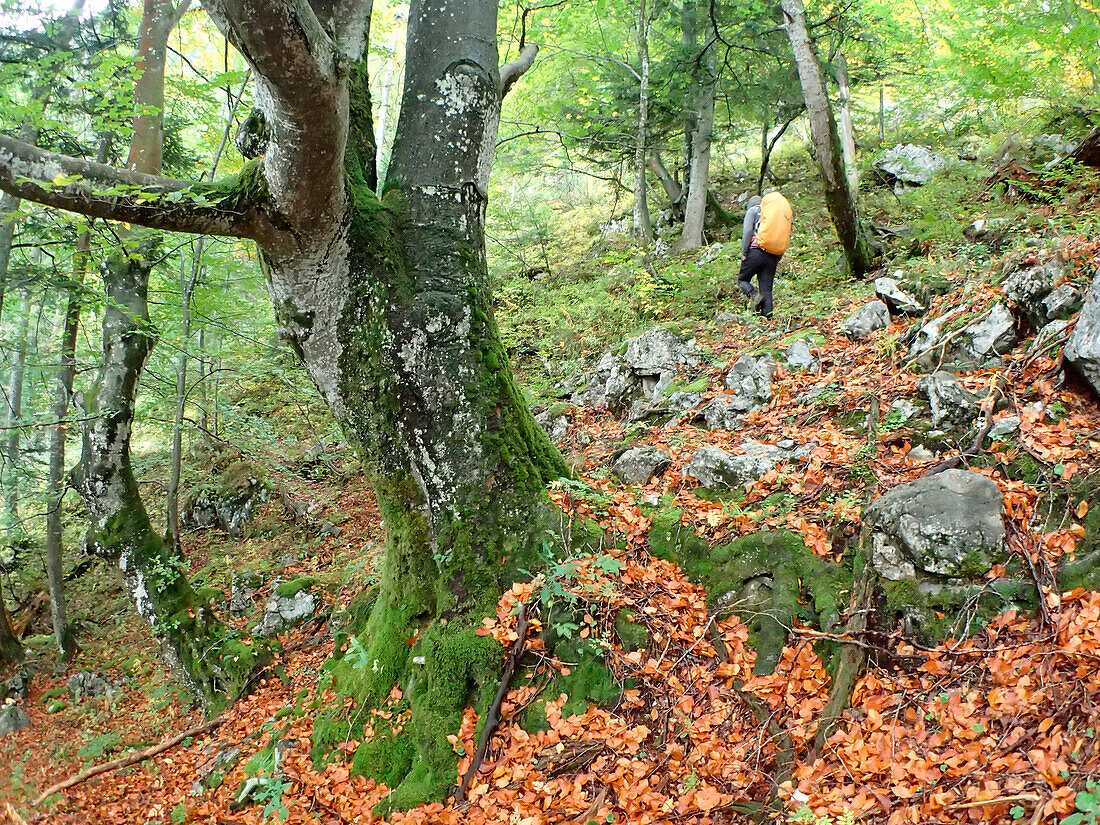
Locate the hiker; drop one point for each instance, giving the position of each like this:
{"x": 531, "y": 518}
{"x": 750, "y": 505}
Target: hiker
{"x": 764, "y": 237}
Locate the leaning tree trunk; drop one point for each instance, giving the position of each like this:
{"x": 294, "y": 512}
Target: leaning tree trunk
{"x": 839, "y": 198}
{"x": 698, "y": 186}
{"x": 193, "y": 641}
{"x": 643, "y": 226}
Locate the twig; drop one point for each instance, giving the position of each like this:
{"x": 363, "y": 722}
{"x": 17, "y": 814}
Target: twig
{"x": 493, "y": 717}
{"x": 138, "y": 756}
{"x": 1020, "y": 797}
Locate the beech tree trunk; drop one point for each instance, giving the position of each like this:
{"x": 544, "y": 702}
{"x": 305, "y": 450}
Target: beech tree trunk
{"x": 212, "y": 664}
{"x": 643, "y": 226}
{"x": 55, "y": 571}
{"x": 838, "y": 195}
{"x": 698, "y": 181}
{"x": 388, "y": 303}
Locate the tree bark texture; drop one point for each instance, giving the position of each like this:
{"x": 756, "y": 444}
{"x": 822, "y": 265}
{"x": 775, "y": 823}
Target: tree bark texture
{"x": 387, "y": 301}
{"x": 823, "y": 131}
{"x": 66, "y": 372}
{"x": 698, "y": 182}
{"x": 643, "y": 226}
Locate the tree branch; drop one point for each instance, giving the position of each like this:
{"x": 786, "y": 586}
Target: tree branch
{"x": 102, "y": 191}
{"x": 511, "y": 72}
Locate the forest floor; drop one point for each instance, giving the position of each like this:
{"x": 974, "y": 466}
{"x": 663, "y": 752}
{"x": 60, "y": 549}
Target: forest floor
{"x": 1002, "y": 726}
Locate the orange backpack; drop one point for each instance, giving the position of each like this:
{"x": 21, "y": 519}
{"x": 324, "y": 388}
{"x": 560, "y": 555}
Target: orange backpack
{"x": 774, "y": 232}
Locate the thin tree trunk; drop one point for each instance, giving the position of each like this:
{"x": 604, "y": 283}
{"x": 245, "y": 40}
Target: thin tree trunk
{"x": 689, "y": 31}
{"x": 643, "y": 226}
{"x": 695, "y": 208}
{"x": 881, "y": 115}
{"x": 847, "y": 133}
{"x": 66, "y": 372}
{"x": 15, "y": 413}
{"x": 823, "y": 132}
{"x": 187, "y": 288}
{"x": 768, "y": 147}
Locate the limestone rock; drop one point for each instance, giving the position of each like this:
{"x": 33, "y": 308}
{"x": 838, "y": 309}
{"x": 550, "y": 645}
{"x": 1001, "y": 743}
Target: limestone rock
{"x": 750, "y": 379}
{"x": 896, "y": 298}
{"x": 285, "y": 611}
{"x": 714, "y": 467}
{"x": 992, "y": 336}
{"x": 1083, "y": 347}
{"x": 947, "y": 524}
{"x": 555, "y": 420}
{"x": 865, "y": 320}
{"x": 86, "y": 684}
{"x": 13, "y": 718}
{"x": 639, "y": 464}
{"x": 908, "y": 165}
{"x": 658, "y": 351}
{"x": 1062, "y": 302}
{"x": 1028, "y": 288}
{"x": 243, "y": 587}
{"x": 1005, "y": 427}
{"x": 951, "y": 402}
{"x": 799, "y": 356}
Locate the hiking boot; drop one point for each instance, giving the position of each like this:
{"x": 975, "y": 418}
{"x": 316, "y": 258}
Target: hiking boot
{"x": 756, "y": 300}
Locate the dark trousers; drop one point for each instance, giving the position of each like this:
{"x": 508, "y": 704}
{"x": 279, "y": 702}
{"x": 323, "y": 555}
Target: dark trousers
{"x": 761, "y": 264}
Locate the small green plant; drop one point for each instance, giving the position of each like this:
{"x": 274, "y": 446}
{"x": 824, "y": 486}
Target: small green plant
{"x": 99, "y": 745}
{"x": 179, "y": 814}
{"x": 1087, "y": 803}
{"x": 808, "y": 817}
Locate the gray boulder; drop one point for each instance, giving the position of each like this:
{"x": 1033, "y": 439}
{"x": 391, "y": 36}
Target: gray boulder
{"x": 639, "y": 464}
{"x": 800, "y": 357}
{"x": 1047, "y": 335}
{"x": 285, "y": 610}
{"x": 948, "y": 524}
{"x": 1083, "y": 347}
{"x": 908, "y": 165}
{"x": 865, "y": 320}
{"x": 86, "y": 684}
{"x": 243, "y": 587}
{"x": 13, "y": 718}
{"x": 1028, "y": 288}
{"x": 750, "y": 379}
{"x": 992, "y": 336}
{"x": 1005, "y": 427}
{"x": 952, "y": 403}
{"x": 713, "y": 467}
{"x": 19, "y": 685}
{"x": 928, "y": 338}
{"x": 723, "y": 413}
{"x": 1062, "y": 302}
{"x": 896, "y": 298}
{"x": 659, "y": 351}
{"x": 555, "y": 421}
{"x": 902, "y": 410}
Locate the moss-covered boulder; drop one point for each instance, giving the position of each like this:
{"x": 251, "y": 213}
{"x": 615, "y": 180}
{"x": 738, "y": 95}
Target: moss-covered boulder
{"x": 769, "y": 579}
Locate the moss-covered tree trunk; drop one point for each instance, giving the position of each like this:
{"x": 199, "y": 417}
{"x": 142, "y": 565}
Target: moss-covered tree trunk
{"x": 212, "y": 664}
{"x": 387, "y": 301}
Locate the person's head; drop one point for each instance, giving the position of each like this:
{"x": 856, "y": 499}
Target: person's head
{"x": 753, "y": 201}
